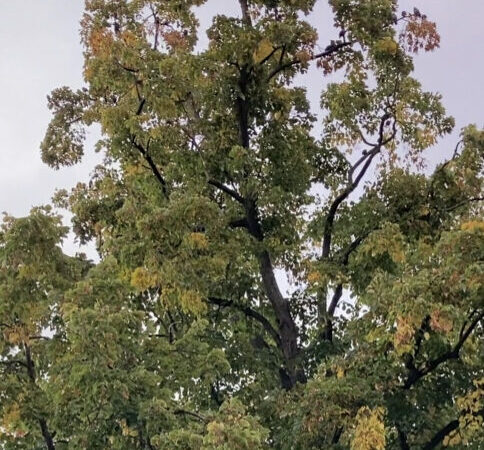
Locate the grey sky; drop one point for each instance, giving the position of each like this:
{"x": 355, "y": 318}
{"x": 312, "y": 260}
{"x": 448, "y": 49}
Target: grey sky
{"x": 40, "y": 50}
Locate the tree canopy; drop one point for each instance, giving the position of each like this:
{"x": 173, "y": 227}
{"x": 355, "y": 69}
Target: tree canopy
{"x": 214, "y": 186}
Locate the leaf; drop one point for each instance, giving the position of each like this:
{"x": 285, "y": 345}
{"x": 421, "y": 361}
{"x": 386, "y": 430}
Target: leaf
{"x": 370, "y": 430}
{"x": 263, "y": 50}
{"x": 143, "y": 280}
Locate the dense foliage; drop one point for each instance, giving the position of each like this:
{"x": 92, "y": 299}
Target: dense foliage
{"x": 213, "y": 179}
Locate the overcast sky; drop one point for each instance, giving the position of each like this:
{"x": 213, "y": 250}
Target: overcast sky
{"x": 40, "y": 50}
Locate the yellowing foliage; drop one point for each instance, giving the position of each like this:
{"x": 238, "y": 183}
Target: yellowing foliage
{"x": 314, "y": 277}
{"x": 213, "y": 182}
{"x": 175, "y": 39}
{"x": 340, "y": 373}
{"x": 440, "y": 322}
{"x": 420, "y": 34}
{"x": 387, "y": 240}
{"x": 426, "y": 137}
{"x": 100, "y": 42}
{"x": 471, "y": 420}
{"x": 263, "y": 50}
{"x": 473, "y": 225}
{"x": 11, "y": 416}
{"x": 16, "y": 335}
{"x": 304, "y": 56}
{"x": 387, "y": 45}
{"x": 403, "y": 337}
{"x": 126, "y": 430}
{"x": 142, "y": 280}
{"x": 370, "y": 430}
{"x": 129, "y": 38}
{"x": 198, "y": 241}
{"x": 192, "y": 302}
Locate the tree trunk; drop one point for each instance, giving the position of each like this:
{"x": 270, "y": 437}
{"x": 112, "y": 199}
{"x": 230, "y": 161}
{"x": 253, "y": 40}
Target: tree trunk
{"x": 49, "y": 441}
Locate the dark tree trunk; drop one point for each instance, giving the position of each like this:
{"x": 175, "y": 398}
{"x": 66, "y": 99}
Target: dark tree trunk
{"x": 47, "y": 435}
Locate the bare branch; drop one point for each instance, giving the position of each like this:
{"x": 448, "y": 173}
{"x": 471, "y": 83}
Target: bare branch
{"x": 245, "y": 12}
{"x": 329, "y": 51}
{"x": 454, "y": 353}
{"x": 201, "y": 418}
{"x": 328, "y": 226}
{"x": 249, "y": 312}
{"x": 270, "y": 55}
{"x": 157, "y": 27}
{"x": 402, "y": 439}
{"x": 152, "y": 165}
{"x": 440, "y": 435}
{"x": 346, "y": 253}
{"x": 463, "y": 203}
{"x": 451, "y": 426}
{"x": 46, "y": 338}
{"x": 239, "y": 223}
{"x": 230, "y": 192}
{"x": 13, "y": 362}
{"x": 366, "y": 159}
{"x": 140, "y": 107}
{"x": 338, "y": 292}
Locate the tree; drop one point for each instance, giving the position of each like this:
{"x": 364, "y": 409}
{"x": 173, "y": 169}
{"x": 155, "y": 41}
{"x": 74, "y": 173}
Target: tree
{"x": 181, "y": 336}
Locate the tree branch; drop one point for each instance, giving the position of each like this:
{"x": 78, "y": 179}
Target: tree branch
{"x": 249, "y": 312}
{"x": 352, "y": 184}
{"x": 230, "y": 192}
{"x": 270, "y": 55}
{"x": 337, "y": 435}
{"x": 144, "y": 151}
{"x": 402, "y": 439}
{"x": 152, "y": 165}
{"x": 417, "y": 373}
{"x": 333, "y": 209}
{"x": 327, "y": 52}
{"x": 245, "y": 12}
{"x": 463, "y": 203}
{"x": 201, "y": 418}
{"x": 13, "y": 362}
{"x": 239, "y": 223}
{"x": 440, "y": 435}
{"x": 38, "y": 338}
{"x": 338, "y": 292}
{"x": 346, "y": 253}
{"x": 46, "y": 434}
{"x": 288, "y": 331}
{"x": 451, "y": 426}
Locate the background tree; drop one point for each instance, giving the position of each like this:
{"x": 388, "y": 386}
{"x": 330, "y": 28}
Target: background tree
{"x": 213, "y": 178}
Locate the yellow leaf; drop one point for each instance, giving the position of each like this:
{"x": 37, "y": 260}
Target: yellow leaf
{"x": 314, "y": 277}
{"x": 11, "y": 416}
{"x": 303, "y": 56}
{"x": 142, "y": 280}
{"x": 263, "y": 50}
{"x": 191, "y": 301}
{"x": 387, "y": 45}
{"x": 197, "y": 241}
{"x": 473, "y": 225}
{"x": 440, "y": 322}
{"x": 403, "y": 337}
{"x": 370, "y": 430}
